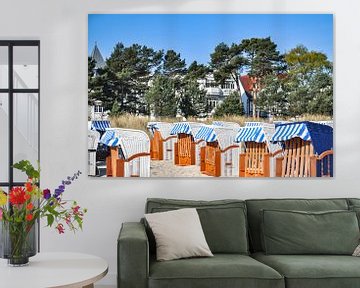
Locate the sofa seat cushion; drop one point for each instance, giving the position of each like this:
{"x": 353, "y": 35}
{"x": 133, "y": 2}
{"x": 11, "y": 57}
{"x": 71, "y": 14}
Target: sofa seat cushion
{"x": 313, "y": 271}
{"x": 222, "y": 270}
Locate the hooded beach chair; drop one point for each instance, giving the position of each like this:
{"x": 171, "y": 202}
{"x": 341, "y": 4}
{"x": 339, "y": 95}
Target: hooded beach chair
{"x": 187, "y": 149}
{"x": 256, "y": 159}
{"x": 307, "y": 149}
{"x": 161, "y": 143}
{"x": 220, "y": 155}
{"x": 129, "y": 152}
{"x": 93, "y": 141}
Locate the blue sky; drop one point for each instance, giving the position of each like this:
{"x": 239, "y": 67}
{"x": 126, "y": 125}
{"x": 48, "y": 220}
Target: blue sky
{"x": 195, "y": 36}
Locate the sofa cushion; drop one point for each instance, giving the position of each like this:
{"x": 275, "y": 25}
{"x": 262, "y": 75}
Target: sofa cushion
{"x": 297, "y": 232}
{"x": 223, "y": 221}
{"x": 313, "y": 271}
{"x": 255, "y": 206}
{"x": 178, "y": 234}
{"x": 222, "y": 270}
{"x": 353, "y": 201}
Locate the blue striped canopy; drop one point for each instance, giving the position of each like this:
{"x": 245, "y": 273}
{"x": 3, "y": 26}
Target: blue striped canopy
{"x": 320, "y": 135}
{"x": 288, "y": 131}
{"x": 100, "y": 125}
{"x": 110, "y": 139}
{"x": 211, "y": 133}
{"x": 181, "y": 127}
{"x": 207, "y": 134}
{"x": 251, "y": 133}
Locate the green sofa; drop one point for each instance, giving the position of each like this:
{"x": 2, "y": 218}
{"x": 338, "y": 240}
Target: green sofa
{"x": 233, "y": 230}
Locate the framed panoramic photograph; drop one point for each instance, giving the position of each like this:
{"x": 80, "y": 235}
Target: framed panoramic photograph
{"x": 210, "y": 95}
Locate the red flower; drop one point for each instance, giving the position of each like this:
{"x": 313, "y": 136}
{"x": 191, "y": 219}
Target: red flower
{"x": 60, "y": 228}
{"x": 29, "y": 217}
{"x": 17, "y": 196}
{"x": 75, "y": 209}
{"x": 29, "y": 186}
{"x": 27, "y": 196}
{"x": 29, "y": 206}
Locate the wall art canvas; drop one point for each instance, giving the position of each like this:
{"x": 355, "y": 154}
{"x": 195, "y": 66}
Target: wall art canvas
{"x": 210, "y": 95}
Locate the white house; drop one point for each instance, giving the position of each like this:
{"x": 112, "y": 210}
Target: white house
{"x": 216, "y": 93}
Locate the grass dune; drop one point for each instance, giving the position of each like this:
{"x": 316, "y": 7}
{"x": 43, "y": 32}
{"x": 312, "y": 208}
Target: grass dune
{"x": 140, "y": 122}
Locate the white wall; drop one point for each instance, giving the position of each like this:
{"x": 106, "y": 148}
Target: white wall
{"x": 61, "y": 25}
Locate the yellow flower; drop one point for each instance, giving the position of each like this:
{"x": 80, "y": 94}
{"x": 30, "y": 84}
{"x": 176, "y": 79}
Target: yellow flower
{"x": 3, "y": 198}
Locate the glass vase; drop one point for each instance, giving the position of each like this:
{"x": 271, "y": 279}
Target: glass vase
{"x": 18, "y": 242}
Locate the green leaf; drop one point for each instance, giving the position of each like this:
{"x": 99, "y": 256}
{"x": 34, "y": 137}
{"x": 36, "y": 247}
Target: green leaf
{"x": 26, "y": 167}
{"x": 50, "y": 219}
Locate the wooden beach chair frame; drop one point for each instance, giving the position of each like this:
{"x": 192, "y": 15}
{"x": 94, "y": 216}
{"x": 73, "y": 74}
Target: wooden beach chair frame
{"x": 213, "y": 161}
{"x": 255, "y": 162}
{"x": 299, "y": 160}
{"x": 186, "y": 148}
{"x": 256, "y": 159}
{"x": 124, "y": 166}
{"x": 219, "y": 155}
{"x": 161, "y": 147}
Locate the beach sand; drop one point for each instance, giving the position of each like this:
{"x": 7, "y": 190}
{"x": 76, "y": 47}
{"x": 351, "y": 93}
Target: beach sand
{"x": 167, "y": 168}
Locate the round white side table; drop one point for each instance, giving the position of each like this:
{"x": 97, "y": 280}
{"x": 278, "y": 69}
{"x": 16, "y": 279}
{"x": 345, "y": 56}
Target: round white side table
{"x": 50, "y": 270}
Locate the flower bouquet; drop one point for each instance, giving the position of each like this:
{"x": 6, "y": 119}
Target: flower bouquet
{"x": 21, "y": 208}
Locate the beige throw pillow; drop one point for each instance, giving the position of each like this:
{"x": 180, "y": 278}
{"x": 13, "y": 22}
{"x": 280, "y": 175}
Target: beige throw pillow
{"x": 357, "y": 251}
{"x": 178, "y": 234}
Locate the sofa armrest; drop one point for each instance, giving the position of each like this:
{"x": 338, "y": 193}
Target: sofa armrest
{"x": 133, "y": 256}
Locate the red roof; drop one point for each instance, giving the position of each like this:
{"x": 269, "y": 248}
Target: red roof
{"x": 247, "y": 82}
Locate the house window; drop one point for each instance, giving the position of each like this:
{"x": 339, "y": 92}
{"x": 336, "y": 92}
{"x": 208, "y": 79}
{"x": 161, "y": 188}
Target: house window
{"x": 19, "y": 108}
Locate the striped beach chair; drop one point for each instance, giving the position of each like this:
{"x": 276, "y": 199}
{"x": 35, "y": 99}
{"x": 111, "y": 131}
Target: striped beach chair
{"x": 187, "y": 149}
{"x": 256, "y": 159}
{"x": 220, "y": 155}
{"x": 129, "y": 152}
{"x": 100, "y": 125}
{"x": 161, "y": 143}
{"x": 93, "y": 141}
{"x": 307, "y": 150}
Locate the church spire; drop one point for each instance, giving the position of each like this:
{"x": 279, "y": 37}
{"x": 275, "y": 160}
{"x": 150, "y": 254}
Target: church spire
{"x": 97, "y": 57}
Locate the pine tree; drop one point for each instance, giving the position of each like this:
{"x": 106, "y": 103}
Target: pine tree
{"x": 227, "y": 62}
{"x": 193, "y": 101}
{"x": 230, "y": 106}
{"x": 263, "y": 59}
{"x": 161, "y": 97}
{"x": 128, "y": 71}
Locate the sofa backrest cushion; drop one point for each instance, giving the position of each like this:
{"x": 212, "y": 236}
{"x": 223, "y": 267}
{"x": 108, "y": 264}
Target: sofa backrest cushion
{"x": 255, "y": 206}
{"x": 223, "y": 221}
{"x": 354, "y": 202}
{"x": 297, "y": 232}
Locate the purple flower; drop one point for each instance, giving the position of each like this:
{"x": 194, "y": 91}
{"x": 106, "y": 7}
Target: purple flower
{"x": 64, "y": 183}
{"x": 46, "y": 194}
{"x": 57, "y": 192}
